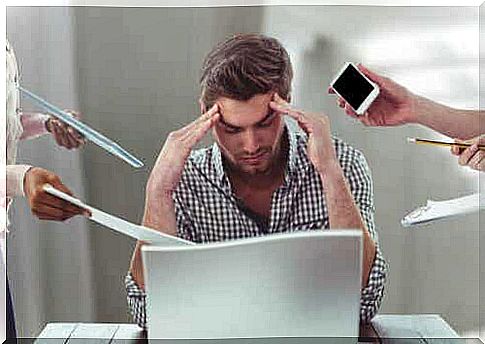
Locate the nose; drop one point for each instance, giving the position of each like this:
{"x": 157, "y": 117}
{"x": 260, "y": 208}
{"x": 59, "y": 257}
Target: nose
{"x": 250, "y": 142}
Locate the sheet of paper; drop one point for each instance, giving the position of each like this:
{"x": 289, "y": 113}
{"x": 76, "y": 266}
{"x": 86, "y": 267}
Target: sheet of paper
{"x": 443, "y": 209}
{"x": 88, "y": 132}
{"x": 119, "y": 225}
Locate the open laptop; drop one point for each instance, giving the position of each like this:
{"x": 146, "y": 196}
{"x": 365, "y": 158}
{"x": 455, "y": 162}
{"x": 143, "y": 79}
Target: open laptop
{"x": 300, "y": 284}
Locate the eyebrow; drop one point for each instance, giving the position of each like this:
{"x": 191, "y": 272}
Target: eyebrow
{"x": 268, "y": 115}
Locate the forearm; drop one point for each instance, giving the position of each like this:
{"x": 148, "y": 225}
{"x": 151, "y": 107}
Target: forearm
{"x": 33, "y": 125}
{"x": 160, "y": 215}
{"x": 455, "y": 123}
{"x": 344, "y": 213}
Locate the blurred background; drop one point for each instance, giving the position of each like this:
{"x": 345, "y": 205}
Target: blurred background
{"x": 133, "y": 74}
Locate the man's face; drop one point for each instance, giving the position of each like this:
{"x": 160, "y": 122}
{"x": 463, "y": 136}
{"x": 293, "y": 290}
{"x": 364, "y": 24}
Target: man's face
{"x": 249, "y": 133}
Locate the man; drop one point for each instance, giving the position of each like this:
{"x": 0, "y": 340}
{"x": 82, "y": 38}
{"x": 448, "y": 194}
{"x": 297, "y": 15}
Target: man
{"x": 259, "y": 177}
{"x": 396, "y": 105}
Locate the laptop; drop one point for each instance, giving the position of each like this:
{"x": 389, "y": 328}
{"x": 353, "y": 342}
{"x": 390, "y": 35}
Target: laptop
{"x": 299, "y": 284}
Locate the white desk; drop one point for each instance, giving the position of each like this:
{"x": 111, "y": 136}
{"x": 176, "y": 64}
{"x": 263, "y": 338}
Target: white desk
{"x": 400, "y": 329}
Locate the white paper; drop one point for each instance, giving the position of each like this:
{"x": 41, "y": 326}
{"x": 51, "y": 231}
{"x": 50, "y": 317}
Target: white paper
{"x": 434, "y": 210}
{"x": 119, "y": 225}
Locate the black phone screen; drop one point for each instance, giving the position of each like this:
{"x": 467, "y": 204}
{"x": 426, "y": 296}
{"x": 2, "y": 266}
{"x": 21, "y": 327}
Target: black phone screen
{"x": 353, "y": 87}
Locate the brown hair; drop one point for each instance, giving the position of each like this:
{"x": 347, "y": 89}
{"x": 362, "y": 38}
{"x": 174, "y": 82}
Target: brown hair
{"x": 243, "y": 66}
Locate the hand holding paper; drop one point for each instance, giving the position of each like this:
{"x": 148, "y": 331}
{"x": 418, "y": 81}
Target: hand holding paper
{"x": 119, "y": 225}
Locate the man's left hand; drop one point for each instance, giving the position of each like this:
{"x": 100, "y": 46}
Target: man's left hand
{"x": 320, "y": 145}
{"x": 65, "y": 135}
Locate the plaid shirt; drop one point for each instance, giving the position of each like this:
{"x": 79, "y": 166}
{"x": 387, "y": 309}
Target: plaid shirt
{"x": 208, "y": 211}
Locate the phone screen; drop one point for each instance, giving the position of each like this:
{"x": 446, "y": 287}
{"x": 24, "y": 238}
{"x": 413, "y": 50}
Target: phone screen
{"x": 353, "y": 87}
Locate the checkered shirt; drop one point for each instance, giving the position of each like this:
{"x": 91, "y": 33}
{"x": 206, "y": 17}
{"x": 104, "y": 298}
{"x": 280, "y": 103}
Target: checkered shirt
{"x": 208, "y": 211}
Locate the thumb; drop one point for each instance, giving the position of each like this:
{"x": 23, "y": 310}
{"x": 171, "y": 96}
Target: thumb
{"x": 56, "y": 183}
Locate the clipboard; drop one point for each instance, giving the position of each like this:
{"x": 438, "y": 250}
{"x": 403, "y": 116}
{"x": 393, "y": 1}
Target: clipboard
{"x": 436, "y": 210}
{"x": 88, "y": 132}
{"x": 119, "y": 225}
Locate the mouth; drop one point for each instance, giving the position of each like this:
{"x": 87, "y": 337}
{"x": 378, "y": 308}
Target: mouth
{"x": 255, "y": 159}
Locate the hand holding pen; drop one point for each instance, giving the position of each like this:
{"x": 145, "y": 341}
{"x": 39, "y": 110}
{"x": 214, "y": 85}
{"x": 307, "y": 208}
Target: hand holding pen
{"x": 472, "y": 156}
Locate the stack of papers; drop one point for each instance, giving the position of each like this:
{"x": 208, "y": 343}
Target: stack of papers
{"x": 434, "y": 210}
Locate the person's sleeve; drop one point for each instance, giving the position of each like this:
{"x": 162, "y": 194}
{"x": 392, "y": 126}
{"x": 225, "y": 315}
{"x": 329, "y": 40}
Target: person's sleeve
{"x": 15, "y": 180}
{"x": 136, "y": 301}
{"x": 360, "y": 180}
{"x": 33, "y": 125}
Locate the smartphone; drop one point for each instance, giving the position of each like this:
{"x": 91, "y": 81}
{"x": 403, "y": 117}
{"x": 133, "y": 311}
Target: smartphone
{"x": 355, "y": 88}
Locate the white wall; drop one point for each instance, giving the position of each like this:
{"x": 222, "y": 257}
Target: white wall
{"x": 434, "y": 51}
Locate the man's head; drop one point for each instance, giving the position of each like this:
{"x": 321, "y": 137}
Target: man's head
{"x": 241, "y": 75}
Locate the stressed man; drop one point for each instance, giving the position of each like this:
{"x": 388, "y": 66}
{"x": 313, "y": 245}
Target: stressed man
{"x": 260, "y": 176}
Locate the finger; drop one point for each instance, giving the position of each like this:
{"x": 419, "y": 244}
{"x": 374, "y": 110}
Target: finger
{"x": 378, "y": 79}
{"x": 60, "y": 134}
{"x": 45, "y": 212}
{"x": 73, "y": 113}
{"x": 74, "y": 141}
{"x": 340, "y": 102}
{"x": 69, "y": 140}
{"x": 349, "y": 111}
{"x": 299, "y": 116}
{"x": 51, "y": 201}
{"x": 76, "y": 134}
{"x": 476, "y": 159}
{"x": 199, "y": 132}
{"x": 201, "y": 119}
{"x": 467, "y": 155}
{"x": 56, "y": 183}
{"x": 330, "y": 90}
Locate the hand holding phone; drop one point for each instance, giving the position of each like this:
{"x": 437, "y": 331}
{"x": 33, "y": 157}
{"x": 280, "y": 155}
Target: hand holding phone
{"x": 355, "y": 88}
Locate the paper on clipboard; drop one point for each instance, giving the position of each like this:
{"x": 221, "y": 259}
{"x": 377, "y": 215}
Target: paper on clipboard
{"x": 119, "y": 225}
{"x": 434, "y": 210}
{"x": 88, "y": 132}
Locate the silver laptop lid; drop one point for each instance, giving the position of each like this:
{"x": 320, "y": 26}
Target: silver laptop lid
{"x": 300, "y": 284}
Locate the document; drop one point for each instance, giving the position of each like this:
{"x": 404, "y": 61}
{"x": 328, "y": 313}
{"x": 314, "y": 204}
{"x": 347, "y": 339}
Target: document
{"x": 89, "y": 133}
{"x": 119, "y": 225}
{"x": 434, "y": 210}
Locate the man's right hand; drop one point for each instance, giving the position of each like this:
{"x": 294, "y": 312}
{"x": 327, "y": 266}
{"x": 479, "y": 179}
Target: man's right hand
{"x": 169, "y": 166}
{"x": 44, "y": 205}
{"x": 395, "y": 105}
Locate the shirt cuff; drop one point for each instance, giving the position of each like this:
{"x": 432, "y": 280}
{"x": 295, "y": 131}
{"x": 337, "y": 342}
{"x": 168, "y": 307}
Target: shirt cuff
{"x": 33, "y": 124}
{"x": 15, "y": 179}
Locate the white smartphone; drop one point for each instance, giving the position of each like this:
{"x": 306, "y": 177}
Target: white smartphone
{"x": 355, "y": 88}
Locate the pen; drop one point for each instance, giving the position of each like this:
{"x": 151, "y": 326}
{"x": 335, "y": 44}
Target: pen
{"x": 441, "y": 143}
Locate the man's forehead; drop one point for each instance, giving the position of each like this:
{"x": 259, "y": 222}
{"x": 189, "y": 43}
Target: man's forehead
{"x": 244, "y": 113}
